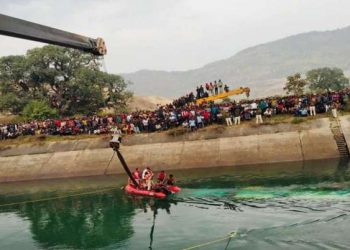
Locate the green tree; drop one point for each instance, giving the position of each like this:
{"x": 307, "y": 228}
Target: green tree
{"x": 54, "y": 69}
{"x": 39, "y": 110}
{"x": 295, "y": 84}
{"x": 13, "y": 92}
{"x": 69, "y": 80}
{"x": 327, "y": 79}
{"x": 85, "y": 92}
{"x": 115, "y": 92}
{"x": 10, "y": 102}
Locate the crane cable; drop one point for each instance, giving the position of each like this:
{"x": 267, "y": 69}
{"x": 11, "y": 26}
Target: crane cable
{"x": 109, "y": 163}
{"x": 229, "y": 237}
{"x": 58, "y": 197}
{"x": 104, "y": 65}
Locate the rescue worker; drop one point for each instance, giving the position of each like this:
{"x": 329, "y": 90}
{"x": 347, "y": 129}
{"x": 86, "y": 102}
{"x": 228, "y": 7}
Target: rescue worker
{"x": 137, "y": 175}
{"x": 147, "y": 176}
{"x": 171, "y": 180}
{"x": 161, "y": 177}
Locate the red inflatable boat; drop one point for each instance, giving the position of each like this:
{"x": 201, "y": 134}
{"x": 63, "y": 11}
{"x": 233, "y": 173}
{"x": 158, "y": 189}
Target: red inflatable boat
{"x": 130, "y": 189}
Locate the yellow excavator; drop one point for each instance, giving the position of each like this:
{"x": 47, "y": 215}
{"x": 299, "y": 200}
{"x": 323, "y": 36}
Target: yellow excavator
{"x": 237, "y": 91}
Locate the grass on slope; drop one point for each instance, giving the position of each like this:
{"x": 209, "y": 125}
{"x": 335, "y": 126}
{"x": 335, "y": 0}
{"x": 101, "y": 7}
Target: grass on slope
{"x": 39, "y": 139}
{"x": 274, "y": 120}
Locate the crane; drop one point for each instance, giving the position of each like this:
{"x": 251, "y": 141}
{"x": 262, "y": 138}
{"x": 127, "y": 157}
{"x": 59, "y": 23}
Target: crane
{"x": 15, "y": 27}
{"x": 225, "y": 94}
{"x": 10, "y": 26}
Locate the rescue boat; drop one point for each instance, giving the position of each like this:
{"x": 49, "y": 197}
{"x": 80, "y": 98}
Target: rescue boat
{"x": 132, "y": 190}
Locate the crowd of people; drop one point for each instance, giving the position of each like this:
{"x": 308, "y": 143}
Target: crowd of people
{"x": 183, "y": 112}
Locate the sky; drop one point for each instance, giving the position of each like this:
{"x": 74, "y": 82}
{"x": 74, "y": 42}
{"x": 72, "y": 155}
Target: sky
{"x": 175, "y": 34}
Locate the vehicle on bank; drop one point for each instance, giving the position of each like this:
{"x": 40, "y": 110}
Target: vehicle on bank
{"x": 237, "y": 91}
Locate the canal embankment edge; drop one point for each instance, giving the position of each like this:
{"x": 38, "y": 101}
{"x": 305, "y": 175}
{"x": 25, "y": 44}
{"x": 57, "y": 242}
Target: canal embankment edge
{"x": 269, "y": 144}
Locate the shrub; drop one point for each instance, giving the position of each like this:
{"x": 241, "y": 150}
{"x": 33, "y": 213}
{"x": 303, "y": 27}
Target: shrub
{"x": 297, "y": 120}
{"x": 177, "y": 131}
{"x": 39, "y": 110}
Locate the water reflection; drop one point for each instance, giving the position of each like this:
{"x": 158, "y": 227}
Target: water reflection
{"x": 152, "y": 206}
{"x": 208, "y": 204}
{"x": 342, "y": 170}
{"x": 83, "y": 222}
{"x": 95, "y": 221}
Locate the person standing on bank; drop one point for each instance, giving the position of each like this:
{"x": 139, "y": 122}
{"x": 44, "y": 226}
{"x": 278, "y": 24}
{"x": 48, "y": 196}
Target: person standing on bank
{"x": 201, "y": 91}
{"x": 237, "y": 114}
{"x": 334, "y": 109}
{"x": 228, "y": 119}
{"x": 258, "y": 116}
{"x": 220, "y": 84}
{"x": 211, "y": 88}
{"x": 312, "y": 107}
{"x": 226, "y": 88}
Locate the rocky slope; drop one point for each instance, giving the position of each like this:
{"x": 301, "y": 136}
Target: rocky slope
{"x": 263, "y": 68}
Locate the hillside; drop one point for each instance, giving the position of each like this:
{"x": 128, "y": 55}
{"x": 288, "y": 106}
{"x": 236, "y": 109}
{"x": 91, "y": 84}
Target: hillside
{"x": 263, "y": 68}
{"x": 147, "y": 102}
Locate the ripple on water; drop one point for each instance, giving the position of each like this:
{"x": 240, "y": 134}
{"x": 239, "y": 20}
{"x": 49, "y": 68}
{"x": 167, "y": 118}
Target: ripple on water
{"x": 282, "y": 210}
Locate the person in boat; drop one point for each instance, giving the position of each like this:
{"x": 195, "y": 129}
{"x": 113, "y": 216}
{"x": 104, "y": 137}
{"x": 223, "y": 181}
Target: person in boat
{"x": 171, "y": 180}
{"x": 137, "y": 176}
{"x": 161, "y": 177}
{"x": 147, "y": 176}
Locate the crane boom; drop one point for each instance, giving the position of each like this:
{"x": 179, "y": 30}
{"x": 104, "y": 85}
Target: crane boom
{"x": 19, "y": 28}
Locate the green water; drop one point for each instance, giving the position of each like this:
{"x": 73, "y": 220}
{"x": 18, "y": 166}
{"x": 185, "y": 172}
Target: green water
{"x": 290, "y": 206}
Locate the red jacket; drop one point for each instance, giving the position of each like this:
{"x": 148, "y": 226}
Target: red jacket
{"x": 136, "y": 175}
{"x": 161, "y": 176}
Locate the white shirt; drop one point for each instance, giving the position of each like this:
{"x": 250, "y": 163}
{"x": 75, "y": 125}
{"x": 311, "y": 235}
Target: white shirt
{"x": 144, "y": 173}
{"x": 145, "y": 122}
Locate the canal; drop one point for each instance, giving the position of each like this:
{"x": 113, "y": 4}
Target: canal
{"x": 304, "y": 205}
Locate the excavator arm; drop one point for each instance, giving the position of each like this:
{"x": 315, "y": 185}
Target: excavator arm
{"x": 223, "y": 95}
{"x": 10, "y": 26}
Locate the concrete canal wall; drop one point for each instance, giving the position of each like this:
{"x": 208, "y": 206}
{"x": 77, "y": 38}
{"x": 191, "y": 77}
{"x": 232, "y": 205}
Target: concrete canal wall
{"x": 229, "y": 147}
{"x": 345, "y": 126}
